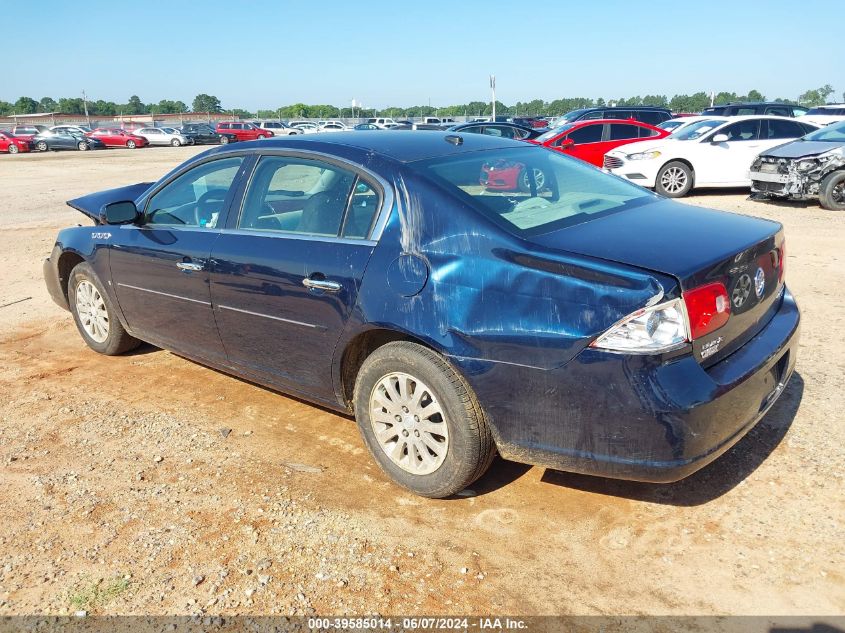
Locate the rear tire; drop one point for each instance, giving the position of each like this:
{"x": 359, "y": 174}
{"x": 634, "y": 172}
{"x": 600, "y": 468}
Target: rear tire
{"x": 832, "y": 191}
{"x": 94, "y": 315}
{"x": 41, "y": 146}
{"x": 13, "y": 149}
{"x": 420, "y": 420}
{"x": 674, "y": 180}
{"x": 224, "y": 140}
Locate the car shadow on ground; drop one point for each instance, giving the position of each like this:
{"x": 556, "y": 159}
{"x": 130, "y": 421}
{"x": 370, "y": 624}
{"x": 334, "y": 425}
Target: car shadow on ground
{"x": 709, "y": 483}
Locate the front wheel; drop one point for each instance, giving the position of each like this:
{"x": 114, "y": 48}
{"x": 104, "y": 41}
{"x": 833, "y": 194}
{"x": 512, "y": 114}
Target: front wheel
{"x": 674, "y": 180}
{"x": 41, "y": 146}
{"x": 94, "y": 315}
{"x": 832, "y": 191}
{"x": 130, "y": 144}
{"x": 13, "y": 149}
{"x": 175, "y": 142}
{"x": 421, "y": 421}
{"x": 83, "y": 146}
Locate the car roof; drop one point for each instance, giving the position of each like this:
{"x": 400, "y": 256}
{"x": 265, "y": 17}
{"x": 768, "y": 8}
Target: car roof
{"x": 401, "y": 145}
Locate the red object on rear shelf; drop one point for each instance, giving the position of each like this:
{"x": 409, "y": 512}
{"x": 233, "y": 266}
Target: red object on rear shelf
{"x": 708, "y": 308}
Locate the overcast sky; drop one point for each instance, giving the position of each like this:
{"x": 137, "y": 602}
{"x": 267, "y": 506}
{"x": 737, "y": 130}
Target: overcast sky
{"x": 265, "y": 54}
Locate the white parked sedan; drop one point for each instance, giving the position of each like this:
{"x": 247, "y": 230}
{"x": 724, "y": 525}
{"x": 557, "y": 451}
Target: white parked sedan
{"x": 333, "y": 126}
{"x": 163, "y": 136}
{"x": 712, "y": 152}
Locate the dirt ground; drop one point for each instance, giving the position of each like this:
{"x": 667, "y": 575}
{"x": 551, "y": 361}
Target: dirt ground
{"x": 120, "y": 494}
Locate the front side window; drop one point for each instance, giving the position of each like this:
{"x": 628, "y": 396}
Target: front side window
{"x": 586, "y": 134}
{"x": 742, "y": 131}
{"x": 196, "y": 198}
{"x": 309, "y": 197}
{"x": 532, "y": 190}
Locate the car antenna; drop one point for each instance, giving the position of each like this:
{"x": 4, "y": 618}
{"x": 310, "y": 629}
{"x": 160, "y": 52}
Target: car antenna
{"x": 454, "y": 139}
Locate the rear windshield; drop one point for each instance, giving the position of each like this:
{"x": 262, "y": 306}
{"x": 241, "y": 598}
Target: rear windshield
{"x": 531, "y": 191}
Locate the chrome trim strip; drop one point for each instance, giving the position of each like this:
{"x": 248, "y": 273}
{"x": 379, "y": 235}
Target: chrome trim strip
{"x": 165, "y": 294}
{"x": 292, "y": 235}
{"x": 275, "y": 318}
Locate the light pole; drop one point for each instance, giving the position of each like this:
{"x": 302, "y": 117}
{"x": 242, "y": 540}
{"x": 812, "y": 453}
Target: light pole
{"x": 493, "y": 94}
{"x": 85, "y": 103}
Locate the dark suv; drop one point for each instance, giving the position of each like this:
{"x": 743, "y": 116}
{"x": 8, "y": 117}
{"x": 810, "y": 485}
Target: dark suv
{"x": 646, "y": 114}
{"x": 756, "y": 107}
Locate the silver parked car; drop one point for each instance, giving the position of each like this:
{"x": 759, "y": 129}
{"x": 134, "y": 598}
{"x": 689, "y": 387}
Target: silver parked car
{"x": 163, "y": 136}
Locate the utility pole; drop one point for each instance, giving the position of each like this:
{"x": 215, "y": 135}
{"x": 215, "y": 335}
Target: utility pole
{"x": 493, "y": 92}
{"x": 85, "y": 103}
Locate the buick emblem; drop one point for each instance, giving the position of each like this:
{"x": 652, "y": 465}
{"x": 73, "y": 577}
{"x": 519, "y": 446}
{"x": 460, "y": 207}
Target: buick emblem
{"x": 741, "y": 291}
{"x": 759, "y": 282}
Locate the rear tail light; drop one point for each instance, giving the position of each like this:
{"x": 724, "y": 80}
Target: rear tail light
{"x": 708, "y": 309}
{"x": 781, "y": 264}
{"x": 670, "y": 325}
{"x": 651, "y": 330}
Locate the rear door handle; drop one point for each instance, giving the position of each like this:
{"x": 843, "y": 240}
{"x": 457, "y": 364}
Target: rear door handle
{"x": 189, "y": 266}
{"x": 321, "y": 284}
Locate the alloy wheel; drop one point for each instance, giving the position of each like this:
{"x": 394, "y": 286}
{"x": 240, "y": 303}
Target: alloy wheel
{"x": 409, "y": 423}
{"x": 92, "y": 312}
{"x": 673, "y": 180}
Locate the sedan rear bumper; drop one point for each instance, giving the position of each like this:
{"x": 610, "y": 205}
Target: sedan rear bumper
{"x": 637, "y": 417}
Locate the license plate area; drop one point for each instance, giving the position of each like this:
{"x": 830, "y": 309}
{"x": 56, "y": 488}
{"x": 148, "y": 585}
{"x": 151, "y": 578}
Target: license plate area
{"x": 775, "y": 379}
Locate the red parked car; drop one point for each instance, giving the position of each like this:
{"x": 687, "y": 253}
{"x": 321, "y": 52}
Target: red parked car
{"x": 243, "y": 130}
{"x": 115, "y": 137}
{"x": 13, "y": 144}
{"x": 591, "y": 140}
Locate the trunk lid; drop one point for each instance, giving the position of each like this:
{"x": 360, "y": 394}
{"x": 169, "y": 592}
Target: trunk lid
{"x": 696, "y": 246}
{"x": 92, "y": 204}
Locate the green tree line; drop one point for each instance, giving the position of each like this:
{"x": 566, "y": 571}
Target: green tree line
{"x": 210, "y": 103}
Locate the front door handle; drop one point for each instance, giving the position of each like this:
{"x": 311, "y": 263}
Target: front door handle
{"x": 189, "y": 266}
{"x": 321, "y": 284}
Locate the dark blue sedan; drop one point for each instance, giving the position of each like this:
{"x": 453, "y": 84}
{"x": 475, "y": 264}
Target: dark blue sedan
{"x": 577, "y": 322}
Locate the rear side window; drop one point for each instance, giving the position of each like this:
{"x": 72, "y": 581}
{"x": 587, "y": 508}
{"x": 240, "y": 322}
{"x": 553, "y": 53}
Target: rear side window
{"x": 293, "y": 195}
{"x": 620, "y": 132}
{"x": 652, "y": 118}
{"x": 784, "y": 129}
{"x": 779, "y": 111}
{"x": 586, "y": 134}
{"x": 647, "y": 133}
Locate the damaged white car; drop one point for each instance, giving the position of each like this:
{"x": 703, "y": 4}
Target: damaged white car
{"x": 812, "y": 166}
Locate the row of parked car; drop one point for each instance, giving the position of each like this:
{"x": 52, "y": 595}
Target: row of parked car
{"x": 795, "y": 155}
{"x": 79, "y": 137}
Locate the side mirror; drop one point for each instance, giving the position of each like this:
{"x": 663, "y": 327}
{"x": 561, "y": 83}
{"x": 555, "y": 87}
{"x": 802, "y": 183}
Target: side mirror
{"x": 719, "y": 138}
{"x": 124, "y": 212}
{"x": 567, "y": 144}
